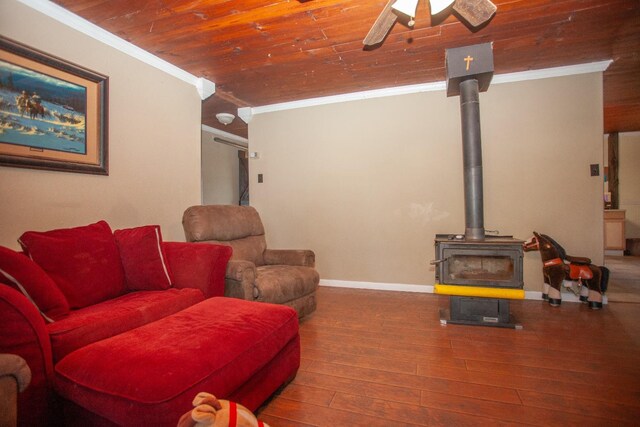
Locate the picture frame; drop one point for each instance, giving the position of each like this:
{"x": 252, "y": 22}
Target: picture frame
{"x": 53, "y": 114}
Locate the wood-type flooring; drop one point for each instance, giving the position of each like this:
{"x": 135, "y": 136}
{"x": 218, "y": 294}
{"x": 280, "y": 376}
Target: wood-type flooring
{"x": 376, "y": 358}
{"x": 624, "y": 282}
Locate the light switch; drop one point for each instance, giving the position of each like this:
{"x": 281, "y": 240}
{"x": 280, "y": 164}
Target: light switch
{"x": 259, "y": 178}
{"x": 595, "y": 170}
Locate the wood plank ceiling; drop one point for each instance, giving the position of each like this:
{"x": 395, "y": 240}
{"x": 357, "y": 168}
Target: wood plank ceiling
{"x": 266, "y": 52}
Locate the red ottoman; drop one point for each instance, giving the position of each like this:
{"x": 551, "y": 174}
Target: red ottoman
{"x": 232, "y": 348}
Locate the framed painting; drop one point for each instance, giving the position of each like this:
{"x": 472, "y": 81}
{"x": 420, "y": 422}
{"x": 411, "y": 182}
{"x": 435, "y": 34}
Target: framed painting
{"x": 53, "y": 114}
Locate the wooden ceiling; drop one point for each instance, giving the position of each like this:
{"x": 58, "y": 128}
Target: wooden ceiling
{"x": 265, "y": 52}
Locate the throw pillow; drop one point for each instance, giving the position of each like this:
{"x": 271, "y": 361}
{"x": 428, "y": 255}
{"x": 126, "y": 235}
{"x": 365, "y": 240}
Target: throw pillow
{"x": 143, "y": 258}
{"x": 24, "y": 275}
{"x": 83, "y": 261}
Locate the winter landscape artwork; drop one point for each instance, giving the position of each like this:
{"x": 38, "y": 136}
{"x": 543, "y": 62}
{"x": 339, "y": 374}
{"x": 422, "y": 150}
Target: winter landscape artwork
{"x": 52, "y": 113}
{"x": 41, "y": 111}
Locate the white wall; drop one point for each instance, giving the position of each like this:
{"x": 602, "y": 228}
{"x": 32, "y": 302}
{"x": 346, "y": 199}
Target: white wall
{"x": 154, "y": 143}
{"x": 629, "y": 181}
{"x": 220, "y": 172}
{"x": 367, "y": 184}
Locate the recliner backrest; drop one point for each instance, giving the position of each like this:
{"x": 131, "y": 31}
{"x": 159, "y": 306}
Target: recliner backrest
{"x": 237, "y": 226}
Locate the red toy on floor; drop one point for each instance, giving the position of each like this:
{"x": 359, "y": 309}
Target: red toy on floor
{"x": 211, "y": 412}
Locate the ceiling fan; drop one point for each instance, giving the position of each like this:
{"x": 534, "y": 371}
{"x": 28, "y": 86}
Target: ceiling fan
{"x": 474, "y": 12}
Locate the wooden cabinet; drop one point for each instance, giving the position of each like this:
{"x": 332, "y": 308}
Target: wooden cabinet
{"x": 614, "y": 230}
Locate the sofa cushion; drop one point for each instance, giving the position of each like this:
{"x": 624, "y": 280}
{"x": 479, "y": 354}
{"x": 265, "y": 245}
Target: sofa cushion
{"x": 24, "y": 275}
{"x": 115, "y": 316}
{"x": 83, "y": 261}
{"x": 143, "y": 258}
{"x": 217, "y": 345}
{"x": 283, "y": 283}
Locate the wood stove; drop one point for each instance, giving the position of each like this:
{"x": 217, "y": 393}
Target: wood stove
{"x": 479, "y": 272}
{"x": 486, "y": 272}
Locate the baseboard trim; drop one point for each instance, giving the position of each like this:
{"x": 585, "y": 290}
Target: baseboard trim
{"x": 612, "y": 252}
{"x": 427, "y": 289}
{"x": 378, "y": 286}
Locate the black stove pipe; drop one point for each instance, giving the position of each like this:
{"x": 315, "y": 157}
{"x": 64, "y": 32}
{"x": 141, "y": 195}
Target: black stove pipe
{"x": 472, "y": 158}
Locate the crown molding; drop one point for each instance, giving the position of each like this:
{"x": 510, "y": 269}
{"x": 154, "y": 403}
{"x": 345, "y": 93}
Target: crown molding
{"x": 570, "y": 70}
{"x": 633, "y": 134}
{"x": 204, "y": 87}
{"x": 347, "y": 97}
{"x": 246, "y": 114}
{"x": 545, "y": 73}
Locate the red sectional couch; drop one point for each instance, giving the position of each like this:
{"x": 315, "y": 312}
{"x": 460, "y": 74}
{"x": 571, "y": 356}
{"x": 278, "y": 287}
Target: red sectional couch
{"x": 124, "y": 329}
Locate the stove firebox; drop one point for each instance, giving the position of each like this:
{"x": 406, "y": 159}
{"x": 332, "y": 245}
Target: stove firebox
{"x": 495, "y": 261}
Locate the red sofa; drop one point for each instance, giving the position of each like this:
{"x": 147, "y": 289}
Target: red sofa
{"x": 121, "y": 328}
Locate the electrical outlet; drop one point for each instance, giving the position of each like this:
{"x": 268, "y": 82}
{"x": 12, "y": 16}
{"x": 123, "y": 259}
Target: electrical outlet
{"x": 595, "y": 170}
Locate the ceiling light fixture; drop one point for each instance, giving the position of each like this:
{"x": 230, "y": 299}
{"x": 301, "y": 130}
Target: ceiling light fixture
{"x": 225, "y": 118}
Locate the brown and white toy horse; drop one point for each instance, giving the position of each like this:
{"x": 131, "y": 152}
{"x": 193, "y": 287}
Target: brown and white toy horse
{"x": 557, "y": 267}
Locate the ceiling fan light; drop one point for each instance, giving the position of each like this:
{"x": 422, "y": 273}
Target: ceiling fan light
{"x": 406, "y": 7}
{"x": 438, "y": 6}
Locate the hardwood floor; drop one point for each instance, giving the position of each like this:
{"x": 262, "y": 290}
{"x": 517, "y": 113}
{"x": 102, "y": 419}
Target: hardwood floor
{"x": 375, "y": 358}
{"x": 624, "y": 282}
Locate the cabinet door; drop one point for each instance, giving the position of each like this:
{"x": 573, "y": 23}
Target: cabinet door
{"x": 614, "y": 234}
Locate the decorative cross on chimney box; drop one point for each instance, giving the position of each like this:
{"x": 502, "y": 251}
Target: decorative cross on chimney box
{"x": 462, "y": 63}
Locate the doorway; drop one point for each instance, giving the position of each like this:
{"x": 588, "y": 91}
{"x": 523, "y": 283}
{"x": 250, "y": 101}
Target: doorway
{"x": 243, "y": 178}
{"x": 225, "y": 177}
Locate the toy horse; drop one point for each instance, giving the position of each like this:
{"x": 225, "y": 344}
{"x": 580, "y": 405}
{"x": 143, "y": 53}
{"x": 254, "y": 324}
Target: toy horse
{"x": 557, "y": 267}
{"x": 208, "y": 411}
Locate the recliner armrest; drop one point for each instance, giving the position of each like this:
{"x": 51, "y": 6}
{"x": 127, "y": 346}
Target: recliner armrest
{"x": 300, "y": 257}
{"x": 241, "y": 270}
{"x": 240, "y": 280}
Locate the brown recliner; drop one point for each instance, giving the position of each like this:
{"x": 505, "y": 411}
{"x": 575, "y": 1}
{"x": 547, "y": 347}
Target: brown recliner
{"x": 255, "y": 273}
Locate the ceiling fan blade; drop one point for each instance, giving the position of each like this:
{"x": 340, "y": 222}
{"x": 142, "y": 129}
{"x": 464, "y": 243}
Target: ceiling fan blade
{"x": 407, "y": 8}
{"x": 381, "y": 27}
{"x": 438, "y": 6}
{"x": 475, "y": 12}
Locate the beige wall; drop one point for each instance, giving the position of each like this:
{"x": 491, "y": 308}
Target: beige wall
{"x": 220, "y": 172}
{"x": 629, "y": 181}
{"x": 154, "y": 144}
{"x": 367, "y": 184}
